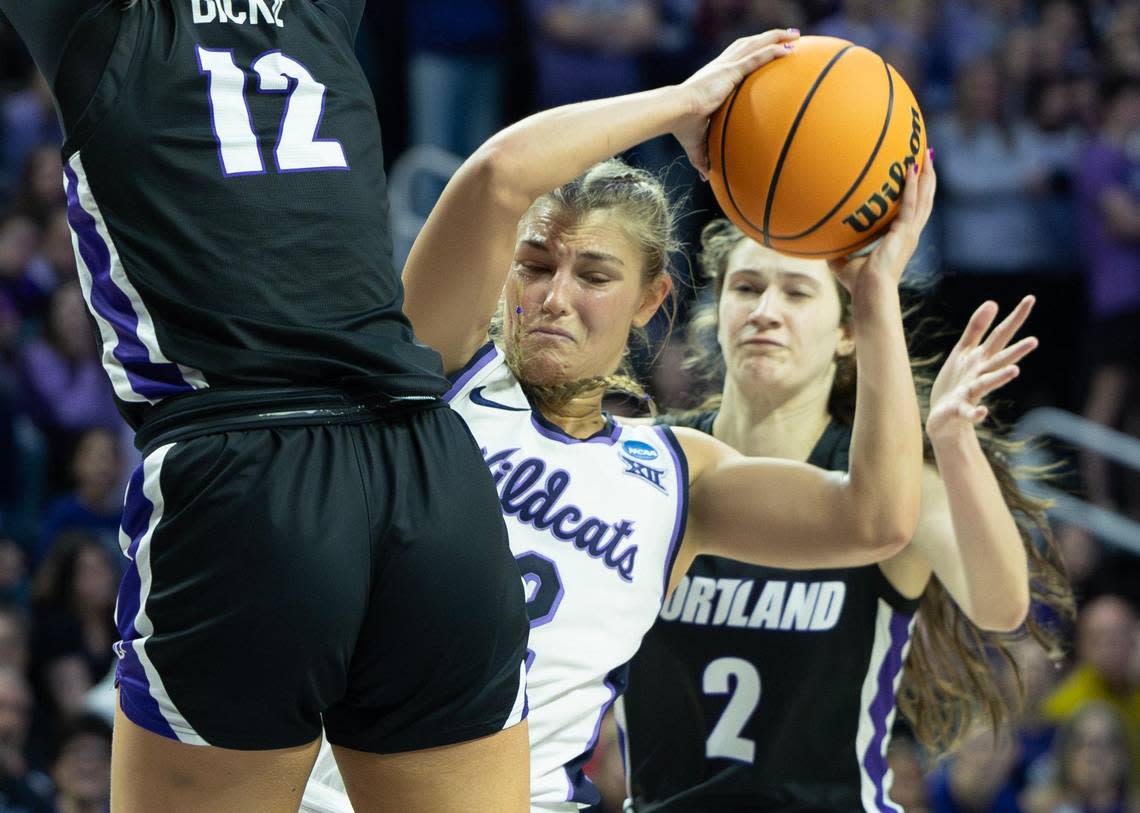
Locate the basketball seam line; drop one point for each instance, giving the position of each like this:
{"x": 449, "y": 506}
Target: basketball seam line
{"x": 862, "y": 241}
{"x": 724, "y": 155}
{"x": 788, "y": 141}
{"x": 866, "y": 167}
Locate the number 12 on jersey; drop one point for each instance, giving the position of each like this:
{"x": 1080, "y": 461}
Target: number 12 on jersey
{"x": 298, "y": 148}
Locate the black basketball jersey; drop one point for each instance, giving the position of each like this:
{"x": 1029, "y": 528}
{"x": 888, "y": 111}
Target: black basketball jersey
{"x": 762, "y": 689}
{"x": 226, "y": 192}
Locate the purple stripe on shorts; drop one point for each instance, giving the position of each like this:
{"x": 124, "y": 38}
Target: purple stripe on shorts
{"x": 483, "y": 356}
{"x": 135, "y": 698}
{"x": 134, "y": 686}
{"x": 874, "y": 762}
{"x": 127, "y": 608}
{"x": 137, "y": 512}
{"x": 146, "y": 378}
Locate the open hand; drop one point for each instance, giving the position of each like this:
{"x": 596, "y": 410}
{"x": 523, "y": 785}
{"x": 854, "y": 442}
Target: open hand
{"x": 707, "y": 89}
{"x": 975, "y": 368}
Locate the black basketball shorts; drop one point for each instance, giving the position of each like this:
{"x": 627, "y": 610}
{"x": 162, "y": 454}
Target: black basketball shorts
{"x": 358, "y": 573}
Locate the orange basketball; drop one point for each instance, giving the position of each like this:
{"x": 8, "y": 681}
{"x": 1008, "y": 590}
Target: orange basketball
{"x": 810, "y": 153}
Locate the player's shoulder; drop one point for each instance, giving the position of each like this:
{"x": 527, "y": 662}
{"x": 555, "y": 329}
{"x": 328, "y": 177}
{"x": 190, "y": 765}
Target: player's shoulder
{"x": 485, "y": 363}
{"x": 351, "y": 10}
{"x": 700, "y": 450}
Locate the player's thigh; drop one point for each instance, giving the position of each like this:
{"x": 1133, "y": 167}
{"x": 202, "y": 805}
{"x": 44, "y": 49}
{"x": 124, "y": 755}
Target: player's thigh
{"x": 246, "y": 588}
{"x": 490, "y": 773}
{"x": 151, "y": 772}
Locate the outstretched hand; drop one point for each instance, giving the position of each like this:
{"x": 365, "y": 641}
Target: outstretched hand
{"x": 707, "y": 89}
{"x": 897, "y": 246}
{"x": 975, "y": 368}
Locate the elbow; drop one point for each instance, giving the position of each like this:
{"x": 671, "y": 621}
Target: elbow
{"x": 896, "y": 529}
{"x": 885, "y": 538}
{"x": 500, "y": 177}
{"x": 884, "y": 527}
{"x": 896, "y": 537}
{"x": 1008, "y": 616}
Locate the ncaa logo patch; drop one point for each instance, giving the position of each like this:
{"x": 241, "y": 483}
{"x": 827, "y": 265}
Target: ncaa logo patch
{"x": 639, "y": 450}
{"x": 635, "y": 454}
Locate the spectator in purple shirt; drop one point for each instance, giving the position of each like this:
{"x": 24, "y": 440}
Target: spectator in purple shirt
{"x": 29, "y": 121}
{"x": 67, "y": 391}
{"x": 21, "y": 290}
{"x": 1108, "y": 212}
{"x": 590, "y": 49}
{"x": 95, "y": 506}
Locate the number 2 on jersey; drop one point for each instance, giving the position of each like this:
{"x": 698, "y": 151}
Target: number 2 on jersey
{"x": 298, "y": 148}
{"x": 543, "y": 589}
{"x": 724, "y": 740}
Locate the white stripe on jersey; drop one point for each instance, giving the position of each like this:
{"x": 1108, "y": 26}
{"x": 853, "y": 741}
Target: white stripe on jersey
{"x": 146, "y": 333}
{"x": 873, "y": 734}
{"x": 152, "y": 490}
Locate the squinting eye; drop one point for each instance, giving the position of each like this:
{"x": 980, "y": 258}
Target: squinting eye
{"x": 799, "y": 294}
{"x": 744, "y": 288}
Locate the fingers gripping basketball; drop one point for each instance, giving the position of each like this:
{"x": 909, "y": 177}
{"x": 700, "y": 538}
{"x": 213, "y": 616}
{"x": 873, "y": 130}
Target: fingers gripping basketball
{"x": 810, "y": 154}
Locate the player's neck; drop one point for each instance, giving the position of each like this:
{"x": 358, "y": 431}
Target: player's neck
{"x": 787, "y": 428}
{"x": 579, "y": 417}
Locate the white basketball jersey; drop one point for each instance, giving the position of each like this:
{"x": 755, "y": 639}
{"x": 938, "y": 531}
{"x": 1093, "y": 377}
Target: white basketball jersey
{"x": 595, "y": 526}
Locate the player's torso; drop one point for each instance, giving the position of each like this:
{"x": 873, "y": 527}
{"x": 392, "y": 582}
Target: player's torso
{"x": 594, "y": 525}
{"x": 227, "y": 195}
{"x": 768, "y": 689}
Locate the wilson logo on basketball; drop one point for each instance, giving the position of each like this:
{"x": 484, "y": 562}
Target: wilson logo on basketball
{"x": 876, "y": 206}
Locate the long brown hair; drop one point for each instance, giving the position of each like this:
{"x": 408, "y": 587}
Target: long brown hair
{"x": 641, "y": 207}
{"x": 950, "y": 674}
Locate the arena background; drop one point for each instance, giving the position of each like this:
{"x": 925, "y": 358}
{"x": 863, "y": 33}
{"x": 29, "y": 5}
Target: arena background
{"x": 1014, "y": 93}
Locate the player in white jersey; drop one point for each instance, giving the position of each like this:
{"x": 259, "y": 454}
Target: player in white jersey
{"x": 604, "y": 519}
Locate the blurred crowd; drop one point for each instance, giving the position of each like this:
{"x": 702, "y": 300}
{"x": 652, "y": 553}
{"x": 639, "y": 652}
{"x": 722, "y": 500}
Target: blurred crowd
{"x": 1033, "y": 109}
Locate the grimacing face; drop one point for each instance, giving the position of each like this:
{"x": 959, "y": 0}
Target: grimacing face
{"x": 580, "y": 286}
{"x": 779, "y": 320}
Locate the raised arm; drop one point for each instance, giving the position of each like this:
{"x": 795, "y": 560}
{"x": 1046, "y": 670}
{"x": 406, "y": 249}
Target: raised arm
{"x": 788, "y": 514}
{"x": 455, "y": 271}
{"x": 967, "y": 535}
